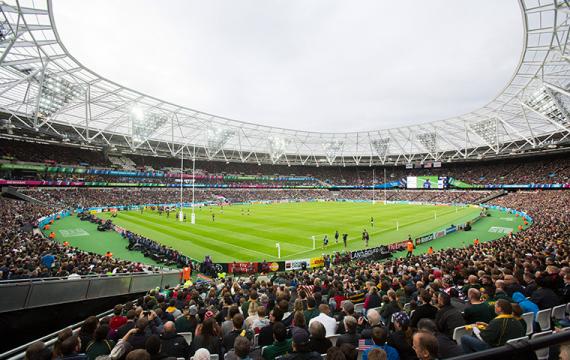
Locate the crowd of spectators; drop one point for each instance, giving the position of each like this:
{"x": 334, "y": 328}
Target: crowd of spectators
{"x": 538, "y": 170}
{"x": 94, "y": 197}
{"x": 438, "y": 196}
{"x": 27, "y": 254}
{"x": 298, "y": 314}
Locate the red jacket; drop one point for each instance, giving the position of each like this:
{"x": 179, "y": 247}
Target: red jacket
{"x": 117, "y": 321}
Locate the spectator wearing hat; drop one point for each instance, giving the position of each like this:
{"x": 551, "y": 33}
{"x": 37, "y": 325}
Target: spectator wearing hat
{"x": 281, "y": 345}
{"x": 425, "y": 310}
{"x": 328, "y": 322}
{"x": 187, "y": 322}
{"x": 301, "y": 348}
{"x": 447, "y": 317}
{"x": 318, "y": 341}
{"x": 401, "y": 338}
{"x": 350, "y": 335}
{"x": 379, "y": 337}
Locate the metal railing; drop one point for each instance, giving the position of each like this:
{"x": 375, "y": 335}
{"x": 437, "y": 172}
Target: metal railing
{"x": 519, "y": 349}
{"x": 32, "y": 293}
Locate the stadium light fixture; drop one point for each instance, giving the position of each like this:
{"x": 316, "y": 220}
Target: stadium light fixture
{"x": 333, "y": 149}
{"x": 217, "y": 137}
{"x": 137, "y": 112}
{"x": 548, "y": 103}
{"x": 429, "y": 141}
{"x": 381, "y": 146}
{"x": 56, "y": 92}
{"x": 144, "y": 123}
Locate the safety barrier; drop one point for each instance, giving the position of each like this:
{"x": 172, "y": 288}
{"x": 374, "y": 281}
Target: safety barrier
{"x": 33, "y": 293}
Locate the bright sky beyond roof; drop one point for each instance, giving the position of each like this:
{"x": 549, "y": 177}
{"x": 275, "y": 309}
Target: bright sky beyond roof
{"x": 319, "y": 65}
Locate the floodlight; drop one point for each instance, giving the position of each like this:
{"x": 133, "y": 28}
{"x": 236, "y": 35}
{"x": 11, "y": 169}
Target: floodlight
{"x": 137, "y": 112}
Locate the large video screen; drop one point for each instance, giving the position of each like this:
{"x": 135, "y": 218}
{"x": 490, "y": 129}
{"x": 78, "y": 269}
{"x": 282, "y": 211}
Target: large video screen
{"x": 426, "y": 182}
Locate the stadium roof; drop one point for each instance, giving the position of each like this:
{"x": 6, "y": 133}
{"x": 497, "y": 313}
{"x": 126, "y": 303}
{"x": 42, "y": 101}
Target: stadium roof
{"x": 45, "y": 89}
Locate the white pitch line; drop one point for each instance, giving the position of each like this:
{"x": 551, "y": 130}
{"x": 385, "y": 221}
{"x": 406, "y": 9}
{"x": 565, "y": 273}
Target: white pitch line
{"x": 242, "y": 248}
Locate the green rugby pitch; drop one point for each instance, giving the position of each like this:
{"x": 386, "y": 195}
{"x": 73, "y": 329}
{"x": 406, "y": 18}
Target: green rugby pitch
{"x": 235, "y": 235}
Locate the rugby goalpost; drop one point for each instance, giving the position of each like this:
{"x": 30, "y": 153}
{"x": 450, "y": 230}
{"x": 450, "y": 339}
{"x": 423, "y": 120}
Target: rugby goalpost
{"x": 374, "y": 187}
{"x": 181, "y": 213}
{"x": 314, "y": 239}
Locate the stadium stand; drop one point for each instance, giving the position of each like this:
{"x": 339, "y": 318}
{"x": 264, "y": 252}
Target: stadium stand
{"x": 544, "y": 169}
{"x": 533, "y": 263}
{"x": 492, "y": 284}
{"x": 75, "y": 144}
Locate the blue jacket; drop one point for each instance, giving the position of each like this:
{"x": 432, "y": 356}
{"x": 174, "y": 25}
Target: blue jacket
{"x": 391, "y": 353}
{"x": 525, "y": 304}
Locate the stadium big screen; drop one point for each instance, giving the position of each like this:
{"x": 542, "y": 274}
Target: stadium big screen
{"x": 426, "y": 182}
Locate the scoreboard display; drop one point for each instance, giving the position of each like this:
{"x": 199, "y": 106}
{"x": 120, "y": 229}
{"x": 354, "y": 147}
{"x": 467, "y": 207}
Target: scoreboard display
{"x": 426, "y": 182}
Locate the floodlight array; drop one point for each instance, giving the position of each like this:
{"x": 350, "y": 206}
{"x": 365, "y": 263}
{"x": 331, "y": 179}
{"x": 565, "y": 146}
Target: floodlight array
{"x": 429, "y": 141}
{"x": 38, "y": 75}
{"x": 55, "y": 93}
{"x": 544, "y": 103}
{"x": 333, "y": 149}
{"x": 277, "y": 147}
{"x": 217, "y": 138}
{"x": 381, "y": 146}
{"x": 487, "y": 130}
{"x": 144, "y": 124}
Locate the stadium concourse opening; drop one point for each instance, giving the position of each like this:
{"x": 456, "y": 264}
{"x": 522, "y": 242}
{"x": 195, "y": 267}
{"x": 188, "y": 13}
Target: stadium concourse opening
{"x": 134, "y": 228}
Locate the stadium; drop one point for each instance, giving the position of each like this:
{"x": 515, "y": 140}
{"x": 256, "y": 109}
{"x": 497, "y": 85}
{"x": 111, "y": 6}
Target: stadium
{"x": 138, "y": 228}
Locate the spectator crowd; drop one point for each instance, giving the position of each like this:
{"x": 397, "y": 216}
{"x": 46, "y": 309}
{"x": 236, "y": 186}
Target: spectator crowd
{"x": 405, "y": 308}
